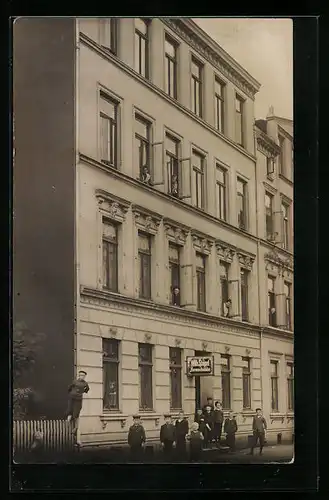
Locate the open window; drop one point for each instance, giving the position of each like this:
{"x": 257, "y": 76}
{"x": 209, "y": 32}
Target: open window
{"x": 157, "y": 153}
{"x": 281, "y": 309}
{"x": 235, "y": 296}
{"x": 186, "y": 178}
{"x": 277, "y": 235}
{"x": 187, "y": 285}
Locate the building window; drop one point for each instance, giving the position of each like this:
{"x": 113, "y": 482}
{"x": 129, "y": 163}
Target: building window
{"x": 219, "y": 105}
{"x": 197, "y": 70}
{"x": 226, "y": 380}
{"x": 145, "y": 363}
{"x": 271, "y": 301}
{"x": 242, "y": 203}
{"x": 172, "y": 162}
{"x": 174, "y": 269}
{"x": 290, "y": 384}
{"x": 239, "y": 103}
{"x": 171, "y": 67}
{"x": 287, "y": 292}
{"x": 221, "y": 186}
{"x": 282, "y": 166}
{"x": 244, "y": 294}
{"x": 108, "y": 130}
{"x": 110, "y": 256}
{"x": 108, "y": 33}
{"x": 142, "y": 148}
{"x": 198, "y": 179}
{"x": 274, "y": 386}
{"x": 110, "y": 374}
{"x": 175, "y": 356}
{"x": 269, "y": 216}
{"x": 270, "y": 165}
{"x": 201, "y": 281}
{"x": 224, "y": 270}
{"x": 246, "y": 382}
{"x": 285, "y": 216}
{"x": 144, "y": 255}
{"x": 142, "y": 46}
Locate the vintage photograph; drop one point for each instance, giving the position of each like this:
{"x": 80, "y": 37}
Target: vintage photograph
{"x": 153, "y": 257}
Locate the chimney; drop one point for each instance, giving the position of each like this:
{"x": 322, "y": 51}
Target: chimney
{"x": 272, "y": 126}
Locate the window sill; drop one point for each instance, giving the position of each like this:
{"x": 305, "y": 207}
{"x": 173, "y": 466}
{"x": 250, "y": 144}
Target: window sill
{"x": 150, "y": 415}
{"x": 290, "y": 416}
{"x": 115, "y": 416}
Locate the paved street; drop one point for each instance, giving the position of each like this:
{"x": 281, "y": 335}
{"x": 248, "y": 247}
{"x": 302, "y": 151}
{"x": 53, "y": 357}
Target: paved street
{"x": 277, "y": 453}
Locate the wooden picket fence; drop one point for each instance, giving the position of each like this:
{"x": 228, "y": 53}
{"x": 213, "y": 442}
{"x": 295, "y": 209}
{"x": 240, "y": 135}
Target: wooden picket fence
{"x": 56, "y": 435}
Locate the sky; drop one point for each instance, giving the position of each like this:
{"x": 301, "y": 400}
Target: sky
{"x": 264, "y": 47}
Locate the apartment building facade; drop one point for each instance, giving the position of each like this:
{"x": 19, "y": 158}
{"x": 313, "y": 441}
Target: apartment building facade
{"x": 167, "y": 174}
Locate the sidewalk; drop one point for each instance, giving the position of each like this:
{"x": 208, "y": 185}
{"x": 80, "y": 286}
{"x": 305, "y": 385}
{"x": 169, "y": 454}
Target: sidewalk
{"x": 276, "y": 453}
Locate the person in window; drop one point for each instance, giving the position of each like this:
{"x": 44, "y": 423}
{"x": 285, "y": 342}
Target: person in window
{"x": 136, "y": 438}
{"x": 146, "y": 177}
{"x": 181, "y": 426}
{"x": 167, "y": 436}
{"x": 259, "y": 427}
{"x": 174, "y": 185}
{"x": 230, "y": 428}
{"x": 218, "y": 422}
{"x": 227, "y": 308}
{"x": 195, "y": 439}
{"x": 209, "y": 423}
{"x": 273, "y": 311}
{"x": 176, "y": 296}
{"x": 76, "y": 391}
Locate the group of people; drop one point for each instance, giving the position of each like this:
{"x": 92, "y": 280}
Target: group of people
{"x": 211, "y": 419}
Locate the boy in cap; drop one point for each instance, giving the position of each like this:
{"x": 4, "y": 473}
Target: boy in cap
{"x": 136, "y": 437}
{"x": 78, "y": 387}
{"x": 230, "y": 428}
{"x": 167, "y": 435}
{"x": 259, "y": 427}
{"x": 218, "y": 422}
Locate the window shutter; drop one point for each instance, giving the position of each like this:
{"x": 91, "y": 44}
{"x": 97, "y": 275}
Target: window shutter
{"x": 187, "y": 285}
{"x": 157, "y": 163}
{"x": 278, "y": 227}
{"x": 280, "y": 299}
{"x": 186, "y": 176}
{"x": 235, "y": 295}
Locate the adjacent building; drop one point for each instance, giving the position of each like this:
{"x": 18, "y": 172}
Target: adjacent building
{"x": 174, "y": 200}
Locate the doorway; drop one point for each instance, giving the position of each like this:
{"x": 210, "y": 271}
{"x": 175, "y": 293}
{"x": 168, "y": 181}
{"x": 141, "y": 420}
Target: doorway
{"x": 203, "y": 385}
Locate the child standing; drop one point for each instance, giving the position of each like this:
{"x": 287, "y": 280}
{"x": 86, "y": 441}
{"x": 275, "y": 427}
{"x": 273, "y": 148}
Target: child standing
{"x": 196, "y": 441}
{"x": 136, "y": 438}
{"x": 218, "y": 422}
{"x": 230, "y": 428}
{"x": 76, "y": 391}
{"x": 167, "y": 436}
{"x": 181, "y": 426}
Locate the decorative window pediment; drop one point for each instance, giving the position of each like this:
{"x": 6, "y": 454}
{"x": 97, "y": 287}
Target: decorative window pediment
{"x": 114, "y": 207}
{"x": 146, "y": 220}
{"x": 284, "y": 264}
{"x": 175, "y": 232}
{"x": 246, "y": 259}
{"x": 202, "y": 243}
{"x": 225, "y": 251}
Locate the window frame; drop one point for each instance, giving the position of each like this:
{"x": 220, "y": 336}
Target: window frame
{"x": 272, "y": 319}
{"x": 239, "y": 113}
{"x": 178, "y": 367}
{"x": 274, "y": 386}
{"x": 199, "y": 174}
{"x": 288, "y": 301}
{"x": 220, "y": 103}
{"x": 221, "y": 188}
{"x": 171, "y": 63}
{"x": 115, "y": 245}
{"x": 246, "y": 376}
{"x": 244, "y": 286}
{"x": 145, "y": 37}
{"x": 142, "y": 364}
{"x": 113, "y": 129}
{"x": 111, "y": 361}
{"x": 282, "y": 166}
{"x": 224, "y": 284}
{"x": 269, "y": 216}
{"x": 141, "y": 254}
{"x": 197, "y": 87}
{"x": 290, "y": 386}
{"x": 201, "y": 283}
{"x": 177, "y": 266}
{"x": 146, "y": 141}
{"x": 242, "y": 224}
{"x": 113, "y": 23}
{"x": 285, "y": 224}
{"x": 226, "y": 375}
{"x": 173, "y": 164}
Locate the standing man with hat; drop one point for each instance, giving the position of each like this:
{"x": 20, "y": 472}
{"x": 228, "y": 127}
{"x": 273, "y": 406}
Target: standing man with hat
{"x": 259, "y": 427}
{"x": 78, "y": 387}
{"x": 167, "y": 436}
{"x": 136, "y": 438}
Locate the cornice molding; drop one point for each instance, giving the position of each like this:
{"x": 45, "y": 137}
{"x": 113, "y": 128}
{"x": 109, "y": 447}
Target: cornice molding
{"x": 270, "y": 188}
{"x": 146, "y": 220}
{"x": 266, "y": 145}
{"x": 202, "y": 242}
{"x": 282, "y": 263}
{"x": 246, "y": 259}
{"x": 114, "y": 207}
{"x": 192, "y": 34}
{"x": 175, "y": 232}
{"x": 225, "y": 251}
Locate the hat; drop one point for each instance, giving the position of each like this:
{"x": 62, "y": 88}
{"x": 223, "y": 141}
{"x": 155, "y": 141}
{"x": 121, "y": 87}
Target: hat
{"x": 136, "y": 417}
{"x": 82, "y": 371}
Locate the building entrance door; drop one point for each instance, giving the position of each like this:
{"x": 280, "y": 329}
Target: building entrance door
{"x": 197, "y": 393}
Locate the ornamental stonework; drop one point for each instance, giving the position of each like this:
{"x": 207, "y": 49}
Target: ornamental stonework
{"x": 202, "y": 243}
{"x": 246, "y": 261}
{"x": 115, "y": 208}
{"x": 145, "y": 220}
{"x": 225, "y": 252}
{"x": 175, "y": 233}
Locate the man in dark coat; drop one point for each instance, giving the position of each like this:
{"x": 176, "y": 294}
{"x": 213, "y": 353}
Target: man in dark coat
{"x": 136, "y": 438}
{"x": 168, "y": 436}
{"x": 259, "y": 427}
{"x": 218, "y": 422}
{"x": 181, "y": 426}
{"x": 76, "y": 391}
{"x": 210, "y": 402}
{"x": 230, "y": 428}
{"x": 209, "y": 424}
